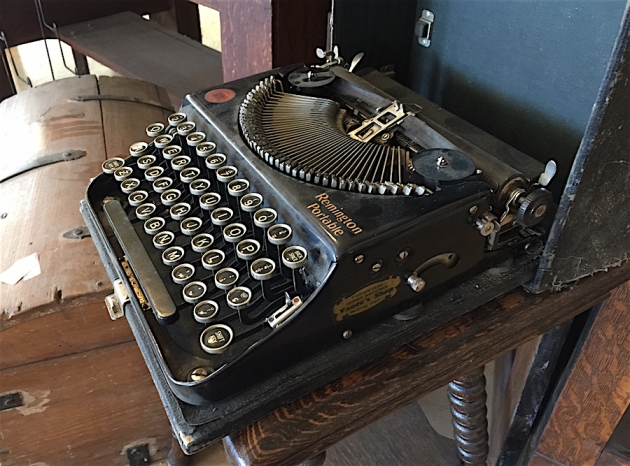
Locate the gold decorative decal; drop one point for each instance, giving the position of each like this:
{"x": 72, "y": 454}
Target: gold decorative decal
{"x": 134, "y": 284}
{"x": 366, "y": 298}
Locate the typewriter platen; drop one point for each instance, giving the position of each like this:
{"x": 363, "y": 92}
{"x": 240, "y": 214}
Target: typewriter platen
{"x": 284, "y": 213}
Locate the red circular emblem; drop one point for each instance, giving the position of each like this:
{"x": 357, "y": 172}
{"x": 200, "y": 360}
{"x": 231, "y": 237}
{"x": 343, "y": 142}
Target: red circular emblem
{"x": 218, "y": 96}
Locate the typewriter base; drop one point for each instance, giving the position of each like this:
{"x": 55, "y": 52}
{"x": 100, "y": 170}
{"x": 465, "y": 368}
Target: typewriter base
{"x": 196, "y": 427}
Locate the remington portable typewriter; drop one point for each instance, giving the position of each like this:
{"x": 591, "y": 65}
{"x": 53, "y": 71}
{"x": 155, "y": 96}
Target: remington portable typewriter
{"x": 289, "y": 212}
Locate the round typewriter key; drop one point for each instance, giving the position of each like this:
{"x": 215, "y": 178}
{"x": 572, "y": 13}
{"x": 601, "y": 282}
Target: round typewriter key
{"x": 213, "y": 259}
{"x": 206, "y": 148}
{"x": 194, "y": 139}
{"x": 144, "y": 211}
{"x": 113, "y": 164}
{"x": 162, "y": 184}
{"x": 188, "y": 175}
{"x": 180, "y": 211}
{"x": 226, "y": 173}
{"x": 238, "y": 187}
{"x": 226, "y": 278}
{"x": 172, "y": 256}
{"x": 294, "y": 257}
{"x": 123, "y": 173}
{"x": 191, "y": 226}
{"x": 137, "y": 197}
{"x": 182, "y": 273}
{"x": 263, "y": 269}
{"x": 171, "y": 151}
{"x": 279, "y": 234}
{"x": 209, "y": 201}
{"x": 239, "y": 298}
{"x": 146, "y": 161}
{"x": 170, "y": 196}
{"x": 234, "y": 232}
{"x": 155, "y": 129}
{"x": 199, "y": 186}
{"x": 163, "y": 239}
{"x": 154, "y": 225}
{"x": 184, "y": 129}
{"x": 251, "y": 202}
{"x": 215, "y": 161}
{"x": 247, "y": 249}
{"x": 163, "y": 141}
{"x": 194, "y": 291}
{"x": 129, "y": 185}
{"x": 153, "y": 173}
{"x": 216, "y": 338}
{"x": 176, "y": 118}
{"x": 205, "y": 311}
{"x": 221, "y": 216}
{"x": 202, "y": 242}
{"x": 264, "y": 218}
{"x": 138, "y": 148}
{"x": 180, "y": 162}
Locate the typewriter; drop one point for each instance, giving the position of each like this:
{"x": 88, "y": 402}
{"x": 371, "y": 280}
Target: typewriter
{"x": 286, "y": 213}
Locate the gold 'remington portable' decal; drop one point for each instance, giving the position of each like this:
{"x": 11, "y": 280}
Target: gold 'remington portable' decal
{"x": 366, "y": 298}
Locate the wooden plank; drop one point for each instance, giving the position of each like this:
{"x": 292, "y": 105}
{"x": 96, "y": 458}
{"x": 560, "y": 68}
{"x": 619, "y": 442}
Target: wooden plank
{"x": 18, "y": 19}
{"x": 516, "y": 405}
{"x": 129, "y": 118}
{"x": 37, "y": 207}
{"x": 595, "y": 391}
{"x": 142, "y": 49}
{"x": 73, "y": 330}
{"x": 83, "y": 409}
{"x": 316, "y": 421}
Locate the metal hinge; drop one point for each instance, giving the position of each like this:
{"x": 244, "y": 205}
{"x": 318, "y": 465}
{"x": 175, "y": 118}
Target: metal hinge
{"x": 115, "y": 302}
{"x": 424, "y": 28}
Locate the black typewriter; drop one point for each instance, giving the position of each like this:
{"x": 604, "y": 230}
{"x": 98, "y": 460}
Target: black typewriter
{"x": 286, "y": 213}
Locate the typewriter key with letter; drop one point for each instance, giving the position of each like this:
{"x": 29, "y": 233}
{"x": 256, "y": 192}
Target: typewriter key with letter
{"x": 163, "y": 141}
{"x": 191, "y": 226}
{"x": 163, "y": 239}
{"x": 154, "y": 225}
{"x": 234, "y": 232}
{"x": 188, "y": 175}
{"x": 170, "y": 196}
{"x": 216, "y": 338}
{"x": 202, "y": 242}
{"x": 213, "y": 259}
{"x": 144, "y": 211}
{"x": 172, "y": 256}
{"x": 138, "y": 148}
{"x": 209, "y": 201}
{"x": 206, "y": 148}
{"x": 176, "y": 118}
{"x": 123, "y": 173}
{"x": 162, "y": 184}
{"x": 196, "y": 138}
{"x": 205, "y": 311}
{"x": 146, "y": 161}
{"x": 184, "y": 129}
{"x": 179, "y": 211}
{"x": 180, "y": 162}
{"x": 129, "y": 185}
{"x": 137, "y": 197}
{"x": 155, "y": 129}
{"x": 221, "y": 216}
{"x": 199, "y": 186}
{"x": 169, "y": 152}
{"x": 153, "y": 173}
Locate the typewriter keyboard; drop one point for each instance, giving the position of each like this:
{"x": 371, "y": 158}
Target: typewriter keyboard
{"x": 207, "y": 249}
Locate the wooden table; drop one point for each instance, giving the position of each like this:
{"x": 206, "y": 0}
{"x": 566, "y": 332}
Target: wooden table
{"x": 308, "y": 426}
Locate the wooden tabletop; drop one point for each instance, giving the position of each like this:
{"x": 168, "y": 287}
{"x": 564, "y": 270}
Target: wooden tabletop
{"x": 314, "y": 422}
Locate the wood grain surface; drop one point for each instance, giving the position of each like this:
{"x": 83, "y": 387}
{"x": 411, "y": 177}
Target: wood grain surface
{"x": 70, "y": 330}
{"x": 38, "y": 206}
{"x": 82, "y": 410}
{"x": 596, "y": 392}
{"x": 136, "y": 48}
{"x": 316, "y": 421}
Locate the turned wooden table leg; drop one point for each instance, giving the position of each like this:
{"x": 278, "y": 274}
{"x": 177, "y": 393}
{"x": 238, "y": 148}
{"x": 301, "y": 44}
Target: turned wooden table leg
{"x": 467, "y": 396}
{"x": 176, "y": 456}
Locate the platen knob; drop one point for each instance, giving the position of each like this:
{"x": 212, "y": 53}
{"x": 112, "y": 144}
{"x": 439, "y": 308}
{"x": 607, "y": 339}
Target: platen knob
{"x": 534, "y": 207}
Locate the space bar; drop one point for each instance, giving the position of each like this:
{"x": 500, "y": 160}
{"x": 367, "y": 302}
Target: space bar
{"x": 151, "y": 282}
